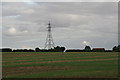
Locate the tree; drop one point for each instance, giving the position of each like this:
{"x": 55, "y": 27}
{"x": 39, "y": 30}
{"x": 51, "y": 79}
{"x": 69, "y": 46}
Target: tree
{"x": 118, "y": 48}
{"x": 87, "y": 48}
{"x": 6, "y": 50}
{"x": 62, "y": 48}
{"x": 59, "y": 49}
{"x": 37, "y": 50}
{"x": 115, "y": 48}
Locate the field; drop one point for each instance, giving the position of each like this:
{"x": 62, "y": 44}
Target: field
{"x": 60, "y": 65}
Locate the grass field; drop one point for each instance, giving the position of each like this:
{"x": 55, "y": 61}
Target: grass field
{"x": 60, "y": 65}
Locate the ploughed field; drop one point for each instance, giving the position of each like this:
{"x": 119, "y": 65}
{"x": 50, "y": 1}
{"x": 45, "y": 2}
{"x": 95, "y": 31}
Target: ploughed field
{"x": 59, "y": 64}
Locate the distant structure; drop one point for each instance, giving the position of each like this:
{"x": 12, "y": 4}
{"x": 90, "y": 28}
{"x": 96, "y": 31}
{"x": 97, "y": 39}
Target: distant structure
{"x": 49, "y": 40}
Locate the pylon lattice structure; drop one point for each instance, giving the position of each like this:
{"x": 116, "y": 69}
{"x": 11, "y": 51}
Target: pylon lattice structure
{"x": 49, "y": 40}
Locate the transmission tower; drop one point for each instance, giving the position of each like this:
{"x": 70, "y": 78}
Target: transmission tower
{"x": 49, "y": 40}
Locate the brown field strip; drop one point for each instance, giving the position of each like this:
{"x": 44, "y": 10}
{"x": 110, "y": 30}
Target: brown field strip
{"x": 72, "y": 61}
{"x": 35, "y": 54}
{"x": 67, "y": 61}
{"x": 62, "y": 58}
{"x": 25, "y": 70}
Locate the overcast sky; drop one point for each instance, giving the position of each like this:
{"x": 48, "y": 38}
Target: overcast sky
{"x": 74, "y": 24}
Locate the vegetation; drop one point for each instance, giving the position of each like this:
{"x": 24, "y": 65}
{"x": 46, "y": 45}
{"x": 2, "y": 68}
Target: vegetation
{"x": 60, "y": 64}
{"x": 116, "y": 48}
{"x": 62, "y": 49}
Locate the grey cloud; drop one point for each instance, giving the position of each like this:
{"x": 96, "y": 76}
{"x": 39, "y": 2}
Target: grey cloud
{"x": 72, "y": 23}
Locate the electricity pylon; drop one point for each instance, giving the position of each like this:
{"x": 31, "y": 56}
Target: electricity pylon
{"x": 49, "y": 40}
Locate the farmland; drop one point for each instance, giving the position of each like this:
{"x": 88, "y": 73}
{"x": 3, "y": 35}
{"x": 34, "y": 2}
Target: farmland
{"x": 59, "y": 64}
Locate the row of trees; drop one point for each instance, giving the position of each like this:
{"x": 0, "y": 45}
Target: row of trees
{"x": 88, "y": 49}
{"x": 62, "y": 49}
{"x": 116, "y": 48}
{"x": 55, "y": 49}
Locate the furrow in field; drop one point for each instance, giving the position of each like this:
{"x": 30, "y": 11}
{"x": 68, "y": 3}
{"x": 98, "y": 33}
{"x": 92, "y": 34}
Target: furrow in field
{"x": 57, "y": 58}
{"x": 33, "y": 69}
{"x": 52, "y": 54}
{"x": 59, "y": 61}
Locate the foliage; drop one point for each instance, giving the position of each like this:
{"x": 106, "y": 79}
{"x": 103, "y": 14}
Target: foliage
{"x": 87, "y": 48}
{"x": 116, "y": 48}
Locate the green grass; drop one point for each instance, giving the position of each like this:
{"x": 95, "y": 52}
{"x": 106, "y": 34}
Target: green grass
{"x": 69, "y": 64}
{"x": 70, "y": 73}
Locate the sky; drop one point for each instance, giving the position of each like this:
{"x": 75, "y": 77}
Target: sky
{"x": 74, "y": 24}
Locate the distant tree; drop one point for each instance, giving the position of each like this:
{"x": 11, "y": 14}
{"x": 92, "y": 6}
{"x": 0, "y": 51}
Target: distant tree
{"x": 62, "y": 48}
{"x": 87, "y": 48}
{"x": 0, "y": 50}
{"x": 30, "y": 50}
{"x": 115, "y": 48}
{"x": 98, "y": 49}
{"x": 74, "y": 50}
{"x": 6, "y": 50}
{"x": 118, "y": 48}
{"x": 37, "y": 50}
{"x": 59, "y": 49}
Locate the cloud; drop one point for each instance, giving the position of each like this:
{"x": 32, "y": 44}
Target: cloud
{"x": 12, "y": 31}
{"x": 60, "y": 1}
{"x": 86, "y": 43}
{"x": 72, "y": 23}
{"x": 26, "y": 47}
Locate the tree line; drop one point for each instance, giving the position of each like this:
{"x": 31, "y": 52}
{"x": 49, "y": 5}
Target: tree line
{"x": 62, "y": 49}
{"x": 55, "y": 49}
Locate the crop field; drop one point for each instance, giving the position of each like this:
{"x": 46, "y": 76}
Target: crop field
{"x": 59, "y": 64}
